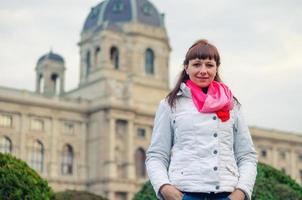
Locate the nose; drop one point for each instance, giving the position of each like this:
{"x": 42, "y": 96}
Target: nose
{"x": 202, "y": 69}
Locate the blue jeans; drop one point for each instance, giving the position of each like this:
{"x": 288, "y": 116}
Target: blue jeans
{"x": 206, "y": 196}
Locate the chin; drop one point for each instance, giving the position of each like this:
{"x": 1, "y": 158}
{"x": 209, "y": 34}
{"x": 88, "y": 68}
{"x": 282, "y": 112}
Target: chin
{"x": 203, "y": 85}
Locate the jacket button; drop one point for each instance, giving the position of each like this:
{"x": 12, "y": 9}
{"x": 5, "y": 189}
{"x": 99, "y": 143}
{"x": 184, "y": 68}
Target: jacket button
{"x": 174, "y": 121}
{"x": 215, "y": 151}
{"x": 215, "y": 168}
{"x": 214, "y": 118}
{"x": 217, "y": 187}
{"x": 215, "y": 134}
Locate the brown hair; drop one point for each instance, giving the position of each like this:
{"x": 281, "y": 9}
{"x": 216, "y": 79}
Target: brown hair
{"x": 201, "y": 49}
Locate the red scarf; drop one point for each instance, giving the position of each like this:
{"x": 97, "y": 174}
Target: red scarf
{"x": 219, "y": 99}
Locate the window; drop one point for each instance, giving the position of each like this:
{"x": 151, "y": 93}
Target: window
{"x": 282, "y": 155}
{"x": 96, "y": 55}
{"x": 118, "y": 7}
{"x": 5, "y": 145}
{"x": 149, "y": 61}
{"x": 67, "y": 160}
{"x": 121, "y": 127}
{"x": 283, "y": 170}
{"x": 114, "y": 57}
{"x": 55, "y": 83}
{"x": 88, "y": 63}
{"x": 141, "y": 133}
{"x": 300, "y": 157}
{"x": 37, "y": 156}
{"x": 6, "y": 120}
{"x": 263, "y": 153}
{"x": 140, "y": 158}
{"x": 37, "y": 125}
{"x": 147, "y": 9}
{"x": 120, "y": 196}
{"x": 68, "y": 128}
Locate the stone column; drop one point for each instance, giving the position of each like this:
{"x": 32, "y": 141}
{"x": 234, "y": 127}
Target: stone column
{"x": 111, "y": 165}
{"x": 275, "y": 157}
{"x": 24, "y": 126}
{"x": 54, "y": 149}
{"x": 293, "y": 164}
{"x": 130, "y": 150}
{"x": 82, "y": 169}
{"x": 111, "y": 195}
{"x": 130, "y": 195}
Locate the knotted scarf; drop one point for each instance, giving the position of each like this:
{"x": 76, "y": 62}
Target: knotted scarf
{"x": 218, "y": 99}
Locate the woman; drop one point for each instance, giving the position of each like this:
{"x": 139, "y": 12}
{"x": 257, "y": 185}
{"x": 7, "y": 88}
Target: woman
{"x": 201, "y": 148}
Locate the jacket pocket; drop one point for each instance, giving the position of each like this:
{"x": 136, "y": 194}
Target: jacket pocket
{"x": 233, "y": 170}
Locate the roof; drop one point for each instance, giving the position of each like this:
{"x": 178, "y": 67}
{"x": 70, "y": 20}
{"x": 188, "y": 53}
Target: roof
{"x": 111, "y": 12}
{"x": 51, "y": 56}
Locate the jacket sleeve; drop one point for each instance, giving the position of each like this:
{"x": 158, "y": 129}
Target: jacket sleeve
{"x": 158, "y": 153}
{"x": 245, "y": 155}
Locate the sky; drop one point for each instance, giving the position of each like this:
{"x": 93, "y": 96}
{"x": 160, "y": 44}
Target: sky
{"x": 260, "y": 43}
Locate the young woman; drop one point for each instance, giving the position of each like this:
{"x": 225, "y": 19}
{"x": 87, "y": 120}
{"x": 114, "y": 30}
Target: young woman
{"x": 201, "y": 148}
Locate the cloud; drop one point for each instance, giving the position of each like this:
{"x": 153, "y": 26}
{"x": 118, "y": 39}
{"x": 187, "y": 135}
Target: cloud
{"x": 260, "y": 44}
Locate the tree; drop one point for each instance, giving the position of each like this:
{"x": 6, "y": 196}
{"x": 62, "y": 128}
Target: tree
{"x": 271, "y": 184}
{"x": 19, "y": 181}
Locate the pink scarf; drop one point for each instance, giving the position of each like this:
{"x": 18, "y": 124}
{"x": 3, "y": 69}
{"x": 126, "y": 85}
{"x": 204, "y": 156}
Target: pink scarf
{"x": 219, "y": 99}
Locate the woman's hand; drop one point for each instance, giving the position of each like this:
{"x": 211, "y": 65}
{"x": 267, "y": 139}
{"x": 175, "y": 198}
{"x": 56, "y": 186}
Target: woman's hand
{"x": 237, "y": 195}
{"x": 170, "y": 192}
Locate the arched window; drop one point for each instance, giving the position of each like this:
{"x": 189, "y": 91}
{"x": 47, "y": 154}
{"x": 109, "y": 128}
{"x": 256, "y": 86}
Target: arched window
{"x": 149, "y": 61}
{"x": 56, "y": 83}
{"x": 67, "y": 160}
{"x": 5, "y": 145}
{"x": 114, "y": 57}
{"x": 140, "y": 158}
{"x": 96, "y": 55}
{"x": 88, "y": 63}
{"x": 37, "y": 156}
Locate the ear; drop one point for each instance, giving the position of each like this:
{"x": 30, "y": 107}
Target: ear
{"x": 186, "y": 68}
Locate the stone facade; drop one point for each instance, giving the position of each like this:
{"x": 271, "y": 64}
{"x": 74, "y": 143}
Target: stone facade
{"x": 282, "y": 150}
{"x": 94, "y": 137}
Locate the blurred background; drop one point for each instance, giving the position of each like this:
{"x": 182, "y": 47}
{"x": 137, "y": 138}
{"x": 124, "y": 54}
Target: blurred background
{"x": 260, "y": 43}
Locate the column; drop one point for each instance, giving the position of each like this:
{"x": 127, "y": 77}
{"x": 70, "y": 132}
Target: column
{"x": 111, "y": 165}
{"x": 54, "y": 162}
{"x": 82, "y": 159}
{"x": 24, "y": 126}
{"x": 293, "y": 164}
{"x": 130, "y": 150}
{"x": 275, "y": 157}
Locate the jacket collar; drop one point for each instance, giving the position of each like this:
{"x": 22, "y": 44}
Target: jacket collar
{"x": 184, "y": 91}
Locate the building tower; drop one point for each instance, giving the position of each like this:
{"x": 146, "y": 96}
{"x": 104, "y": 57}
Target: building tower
{"x": 124, "y": 60}
{"x": 50, "y": 72}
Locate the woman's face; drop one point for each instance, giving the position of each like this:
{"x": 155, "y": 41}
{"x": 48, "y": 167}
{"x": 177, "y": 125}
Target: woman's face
{"x": 201, "y": 71}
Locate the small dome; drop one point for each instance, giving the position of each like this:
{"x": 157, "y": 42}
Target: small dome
{"x": 112, "y": 12}
{"x": 51, "y": 56}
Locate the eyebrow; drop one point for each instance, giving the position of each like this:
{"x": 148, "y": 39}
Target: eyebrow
{"x": 208, "y": 61}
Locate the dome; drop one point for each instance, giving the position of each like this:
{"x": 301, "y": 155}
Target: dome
{"x": 51, "y": 56}
{"x": 112, "y": 12}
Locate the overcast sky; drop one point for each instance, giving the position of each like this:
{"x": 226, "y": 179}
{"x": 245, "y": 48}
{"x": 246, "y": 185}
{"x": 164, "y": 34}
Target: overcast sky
{"x": 260, "y": 42}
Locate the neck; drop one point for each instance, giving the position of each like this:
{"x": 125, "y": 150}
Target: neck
{"x": 205, "y": 90}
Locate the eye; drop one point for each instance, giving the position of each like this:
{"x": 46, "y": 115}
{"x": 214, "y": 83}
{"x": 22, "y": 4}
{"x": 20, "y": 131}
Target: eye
{"x": 210, "y": 65}
{"x": 196, "y": 64}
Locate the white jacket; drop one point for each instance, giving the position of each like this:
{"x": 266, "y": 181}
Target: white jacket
{"x": 197, "y": 152}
